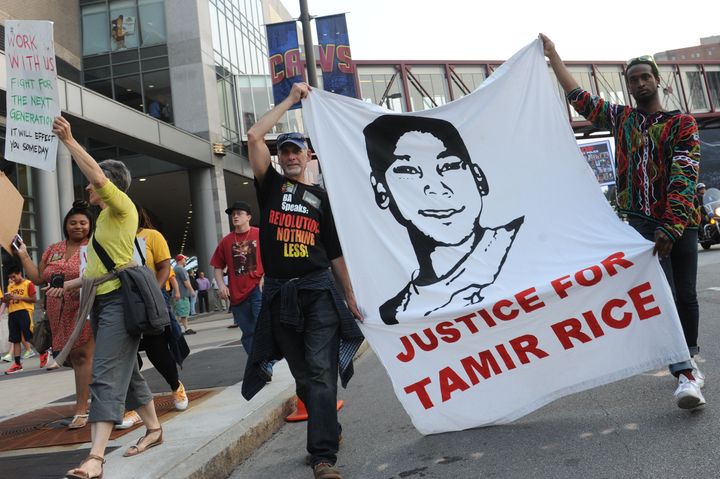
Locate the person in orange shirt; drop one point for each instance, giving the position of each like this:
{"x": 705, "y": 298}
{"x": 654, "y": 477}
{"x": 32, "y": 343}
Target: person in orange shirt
{"x": 20, "y": 301}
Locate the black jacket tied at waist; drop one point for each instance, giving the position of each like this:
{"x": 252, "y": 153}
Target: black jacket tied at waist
{"x": 263, "y": 348}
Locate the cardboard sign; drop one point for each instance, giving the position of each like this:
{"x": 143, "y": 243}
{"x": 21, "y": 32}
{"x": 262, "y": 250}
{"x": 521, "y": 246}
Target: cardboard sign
{"x": 10, "y": 213}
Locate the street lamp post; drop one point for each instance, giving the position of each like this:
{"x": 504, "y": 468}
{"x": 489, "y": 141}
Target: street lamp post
{"x": 307, "y": 39}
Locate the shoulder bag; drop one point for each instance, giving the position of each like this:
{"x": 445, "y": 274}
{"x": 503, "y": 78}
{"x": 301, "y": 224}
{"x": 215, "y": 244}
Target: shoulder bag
{"x": 145, "y": 308}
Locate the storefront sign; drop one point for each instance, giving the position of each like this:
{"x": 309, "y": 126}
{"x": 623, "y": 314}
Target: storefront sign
{"x": 32, "y": 97}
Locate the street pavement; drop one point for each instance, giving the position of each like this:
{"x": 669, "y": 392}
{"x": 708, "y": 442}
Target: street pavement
{"x": 628, "y": 429}
{"x": 212, "y": 436}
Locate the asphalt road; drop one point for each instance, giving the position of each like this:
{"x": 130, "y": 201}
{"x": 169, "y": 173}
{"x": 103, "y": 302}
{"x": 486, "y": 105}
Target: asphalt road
{"x": 628, "y": 429}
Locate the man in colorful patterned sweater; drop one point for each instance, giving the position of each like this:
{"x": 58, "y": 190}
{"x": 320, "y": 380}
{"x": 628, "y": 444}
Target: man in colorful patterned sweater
{"x": 657, "y": 156}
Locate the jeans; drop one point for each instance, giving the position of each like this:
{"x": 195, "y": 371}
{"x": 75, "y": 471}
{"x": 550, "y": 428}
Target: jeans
{"x": 193, "y": 300}
{"x": 680, "y": 269}
{"x": 245, "y": 315}
{"x": 313, "y": 359}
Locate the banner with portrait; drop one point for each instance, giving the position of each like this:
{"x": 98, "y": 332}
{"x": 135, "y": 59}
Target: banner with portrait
{"x": 493, "y": 275}
{"x": 338, "y": 70}
{"x": 286, "y": 64}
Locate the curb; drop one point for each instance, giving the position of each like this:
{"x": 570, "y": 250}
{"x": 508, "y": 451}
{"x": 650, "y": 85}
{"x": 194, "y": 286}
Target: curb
{"x": 224, "y": 453}
{"x": 220, "y": 456}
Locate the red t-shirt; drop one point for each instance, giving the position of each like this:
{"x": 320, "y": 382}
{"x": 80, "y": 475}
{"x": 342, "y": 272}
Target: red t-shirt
{"x": 240, "y": 253}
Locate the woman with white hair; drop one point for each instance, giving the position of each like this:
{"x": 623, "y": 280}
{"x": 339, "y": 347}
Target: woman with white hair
{"x": 116, "y": 380}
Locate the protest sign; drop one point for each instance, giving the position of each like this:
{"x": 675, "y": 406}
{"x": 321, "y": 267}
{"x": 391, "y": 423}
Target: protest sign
{"x": 32, "y": 96}
{"x": 493, "y": 275}
{"x": 599, "y": 157}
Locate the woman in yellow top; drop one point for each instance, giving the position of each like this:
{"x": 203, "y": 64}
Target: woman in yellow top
{"x": 116, "y": 380}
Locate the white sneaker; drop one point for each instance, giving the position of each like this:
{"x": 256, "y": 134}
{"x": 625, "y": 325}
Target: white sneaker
{"x": 688, "y": 394}
{"x": 697, "y": 374}
{"x": 28, "y": 354}
{"x": 130, "y": 418}
{"x": 180, "y": 398}
{"x": 7, "y": 358}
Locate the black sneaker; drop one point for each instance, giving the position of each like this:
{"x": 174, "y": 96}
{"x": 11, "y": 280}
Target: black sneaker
{"x": 189, "y": 331}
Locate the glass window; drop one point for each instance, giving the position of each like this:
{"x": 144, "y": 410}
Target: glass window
{"x": 152, "y": 21}
{"x": 713, "y": 77}
{"x": 670, "y": 92}
{"x": 96, "y": 61}
{"x": 247, "y": 108}
{"x": 158, "y": 96}
{"x": 128, "y": 91}
{"x": 95, "y": 30}
{"x": 149, "y": 52}
{"x": 214, "y": 27}
{"x": 126, "y": 68}
{"x": 612, "y": 84}
{"x": 226, "y": 101}
{"x": 583, "y": 76}
{"x": 97, "y": 74}
{"x": 124, "y": 56}
{"x": 695, "y": 89}
{"x": 104, "y": 87}
{"x": 466, "y": 78}
{"x": 123, "y": 25}
{"x": 155, "y": 63}
{"x": 381, "y": 86}
{"x": 428, "y": 87}
{"x": 260, "y": 87}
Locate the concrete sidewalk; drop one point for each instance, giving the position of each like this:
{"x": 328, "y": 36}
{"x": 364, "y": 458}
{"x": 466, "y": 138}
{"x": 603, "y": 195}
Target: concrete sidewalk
{"x": 208, "y": 440}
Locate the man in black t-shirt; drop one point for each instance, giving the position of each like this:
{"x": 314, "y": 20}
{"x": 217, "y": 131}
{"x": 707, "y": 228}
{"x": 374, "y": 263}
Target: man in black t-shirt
{"x": 303, "y": 318}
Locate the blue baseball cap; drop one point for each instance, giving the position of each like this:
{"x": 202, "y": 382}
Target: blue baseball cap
{"x": 295, "y": 138}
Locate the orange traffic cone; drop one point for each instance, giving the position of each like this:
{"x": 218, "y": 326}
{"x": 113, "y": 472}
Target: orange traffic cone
{"x": 300, "y": 414}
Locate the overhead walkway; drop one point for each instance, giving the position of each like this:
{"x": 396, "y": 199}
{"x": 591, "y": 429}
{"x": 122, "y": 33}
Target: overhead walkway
{"x": 688, "y": 86}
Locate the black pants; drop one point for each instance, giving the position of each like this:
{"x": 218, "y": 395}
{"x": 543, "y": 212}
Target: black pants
{"x": 680, "y": 269}
{"x": 313, "y": 359}
{"x": 158, "y": 352}
{"x": 203, "y": 304}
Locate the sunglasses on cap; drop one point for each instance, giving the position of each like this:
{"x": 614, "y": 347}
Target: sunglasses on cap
{"x": 290, "y": 136}
{"x": 644, "y": 60}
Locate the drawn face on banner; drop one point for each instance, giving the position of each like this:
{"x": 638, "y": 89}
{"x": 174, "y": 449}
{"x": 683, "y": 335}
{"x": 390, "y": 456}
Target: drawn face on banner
{"x": 428, "y": 182}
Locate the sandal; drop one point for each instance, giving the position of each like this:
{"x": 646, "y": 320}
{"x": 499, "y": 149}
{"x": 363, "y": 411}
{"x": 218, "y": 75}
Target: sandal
{"x": 78, "y": 421}
{"x": 78, "y": 473}
{"x": 136, "y": 449}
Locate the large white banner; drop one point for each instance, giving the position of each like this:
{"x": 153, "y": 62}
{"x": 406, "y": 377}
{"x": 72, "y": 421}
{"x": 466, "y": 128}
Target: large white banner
{"x": 32, "y": 96}
{"x": 493, "y": 275}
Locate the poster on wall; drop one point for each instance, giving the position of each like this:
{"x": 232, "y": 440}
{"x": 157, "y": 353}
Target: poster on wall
{"x": 32, "y": 96}
{"x": 599, "y": 157}
{"x": 485, "y": 293}
{"x": 121, "y": 27}
{"x": 338, "y": 70}
{"x": 286, "y": 65}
